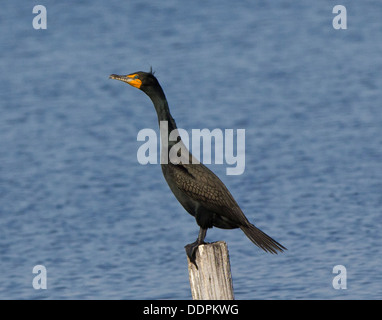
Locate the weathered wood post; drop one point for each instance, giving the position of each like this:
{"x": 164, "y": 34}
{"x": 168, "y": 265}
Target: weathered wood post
{"x": 212, "y": 279}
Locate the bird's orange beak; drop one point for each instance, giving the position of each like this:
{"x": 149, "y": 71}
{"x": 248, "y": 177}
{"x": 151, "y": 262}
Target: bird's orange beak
{"x": 131, "y": 79}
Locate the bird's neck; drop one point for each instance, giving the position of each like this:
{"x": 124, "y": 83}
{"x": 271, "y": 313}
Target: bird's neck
{"x": 161, "y": 106}
{"x": 168, "y": 129}
{"x": 163, "y": 113}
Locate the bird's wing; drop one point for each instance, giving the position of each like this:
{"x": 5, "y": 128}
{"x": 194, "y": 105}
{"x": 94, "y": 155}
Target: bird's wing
{"x": 203, "y": 186}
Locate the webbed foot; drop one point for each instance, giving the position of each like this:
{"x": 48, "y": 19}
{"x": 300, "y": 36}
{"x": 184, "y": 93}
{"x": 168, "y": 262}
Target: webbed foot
{"x": 192, "y": 247}
{"x": 191, "y": 251}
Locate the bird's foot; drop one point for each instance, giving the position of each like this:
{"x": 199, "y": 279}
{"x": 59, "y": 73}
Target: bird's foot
{"x": 191, "y": 251}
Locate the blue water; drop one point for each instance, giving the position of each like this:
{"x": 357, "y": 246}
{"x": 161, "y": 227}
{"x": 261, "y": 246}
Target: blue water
{"x": 74, "y": 198}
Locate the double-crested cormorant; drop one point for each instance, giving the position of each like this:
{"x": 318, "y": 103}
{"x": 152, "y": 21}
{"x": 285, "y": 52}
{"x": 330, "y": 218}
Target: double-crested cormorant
{"x": 196, "y": 187}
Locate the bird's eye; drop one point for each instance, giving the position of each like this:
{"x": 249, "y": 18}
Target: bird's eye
{"x": 136, "y": 77}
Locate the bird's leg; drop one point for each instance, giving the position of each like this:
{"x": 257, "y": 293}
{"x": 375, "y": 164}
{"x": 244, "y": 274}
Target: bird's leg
{"x": 192, "y": 247}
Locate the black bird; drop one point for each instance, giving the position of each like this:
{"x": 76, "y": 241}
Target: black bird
{"x": 197, "y": 188}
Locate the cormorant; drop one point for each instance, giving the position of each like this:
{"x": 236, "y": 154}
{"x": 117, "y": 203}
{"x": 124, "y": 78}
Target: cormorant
{"x": 197, "y": 188}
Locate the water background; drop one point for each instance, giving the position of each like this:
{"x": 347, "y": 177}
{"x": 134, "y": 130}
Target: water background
{"x": 74, "y": 198}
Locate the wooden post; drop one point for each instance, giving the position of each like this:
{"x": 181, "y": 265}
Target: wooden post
{"x": 212, "y": 279}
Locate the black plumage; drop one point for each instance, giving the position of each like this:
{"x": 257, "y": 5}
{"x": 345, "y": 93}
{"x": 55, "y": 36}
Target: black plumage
{"x": 196, "y": 187}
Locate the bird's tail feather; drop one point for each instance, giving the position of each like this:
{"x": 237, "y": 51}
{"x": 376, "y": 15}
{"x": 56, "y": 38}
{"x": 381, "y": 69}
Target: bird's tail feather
{"x": 261, "y": 239}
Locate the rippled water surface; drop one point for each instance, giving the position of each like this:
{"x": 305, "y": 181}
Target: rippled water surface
{"x": 74, "y": 198}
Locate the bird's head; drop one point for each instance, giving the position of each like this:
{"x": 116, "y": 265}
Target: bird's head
{"x": 141, "y": 80}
